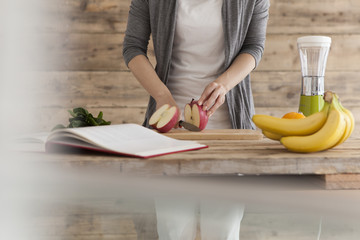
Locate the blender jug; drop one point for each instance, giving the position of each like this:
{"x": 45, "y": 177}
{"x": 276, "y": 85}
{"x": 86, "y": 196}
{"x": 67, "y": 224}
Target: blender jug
{"x": 313, "y": 52}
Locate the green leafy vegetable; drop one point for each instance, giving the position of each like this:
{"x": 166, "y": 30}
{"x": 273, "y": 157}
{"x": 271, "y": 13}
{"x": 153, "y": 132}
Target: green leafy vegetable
{"x": 59, "y": 126}
{"x": 80, "y": 117}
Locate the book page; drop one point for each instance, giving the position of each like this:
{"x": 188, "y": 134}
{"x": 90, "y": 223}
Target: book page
{"x": 129, "y": 139}
{"x": 39, "y": 137}
{"x": 32, "y": 142}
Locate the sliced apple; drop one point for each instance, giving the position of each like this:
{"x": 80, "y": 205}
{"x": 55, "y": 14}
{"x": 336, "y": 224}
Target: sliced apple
{"x": 188, "y": 114}
{"x": 195, "y": 115}
{"x": 165, "y": 118}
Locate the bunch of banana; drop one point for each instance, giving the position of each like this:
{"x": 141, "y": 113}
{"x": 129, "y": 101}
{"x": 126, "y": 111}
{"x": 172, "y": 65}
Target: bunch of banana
{"x": 320, "y": 131}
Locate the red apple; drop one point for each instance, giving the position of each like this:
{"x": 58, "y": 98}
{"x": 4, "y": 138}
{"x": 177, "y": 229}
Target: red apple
{"x": 165, "y": 118}
{"x": 195, "y": 115}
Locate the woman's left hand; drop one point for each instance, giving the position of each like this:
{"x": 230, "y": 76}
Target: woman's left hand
{"x": 212, "y": 97}
{"x": 214, "y": 94}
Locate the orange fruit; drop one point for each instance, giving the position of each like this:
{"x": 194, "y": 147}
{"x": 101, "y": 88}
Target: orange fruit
{"x": 293, "y": 115}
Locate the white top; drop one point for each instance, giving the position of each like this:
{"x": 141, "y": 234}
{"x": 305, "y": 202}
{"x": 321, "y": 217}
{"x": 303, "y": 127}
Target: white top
{"x": 198, "y": 54}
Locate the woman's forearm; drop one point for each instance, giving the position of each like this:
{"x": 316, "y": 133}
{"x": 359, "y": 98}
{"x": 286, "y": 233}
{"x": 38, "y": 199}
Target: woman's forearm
{"x": 213, "y": 95}
{"x": 239, "y": 69}
{"x": 146, "y": 75}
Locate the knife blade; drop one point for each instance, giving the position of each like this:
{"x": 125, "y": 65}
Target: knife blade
{"x": 189, "y": 126}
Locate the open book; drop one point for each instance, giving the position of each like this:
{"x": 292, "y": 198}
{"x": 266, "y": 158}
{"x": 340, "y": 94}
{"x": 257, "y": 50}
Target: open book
{"x": 124, "y": 139}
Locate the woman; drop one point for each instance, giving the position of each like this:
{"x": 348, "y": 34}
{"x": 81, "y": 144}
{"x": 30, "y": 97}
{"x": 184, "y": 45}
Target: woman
{"x": 243, "y": 29}
{"x": 205, "y": 49}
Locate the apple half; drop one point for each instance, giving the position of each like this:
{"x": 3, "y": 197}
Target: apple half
{"x": 195, "y": 115}
{"x": 165, "y": 118}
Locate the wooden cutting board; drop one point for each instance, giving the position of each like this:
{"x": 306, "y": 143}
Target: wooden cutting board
{"x": 215, "y": 134}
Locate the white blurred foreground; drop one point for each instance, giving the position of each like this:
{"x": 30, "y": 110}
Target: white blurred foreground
{"x": 284, "y": 204}
{"x": 21, "y": 53}
{"x": 48, "y": 201}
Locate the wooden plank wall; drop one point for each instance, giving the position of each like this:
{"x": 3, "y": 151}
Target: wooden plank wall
{"x": 114, "y": 220}
{"x": 83, "y": 39}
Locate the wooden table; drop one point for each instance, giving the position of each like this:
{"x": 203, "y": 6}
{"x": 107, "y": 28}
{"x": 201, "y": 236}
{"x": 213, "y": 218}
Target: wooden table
{"x": 338, "y": 167}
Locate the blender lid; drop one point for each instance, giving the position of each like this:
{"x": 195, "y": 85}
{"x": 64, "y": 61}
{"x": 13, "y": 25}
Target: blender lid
{"x": 309, "y": 41}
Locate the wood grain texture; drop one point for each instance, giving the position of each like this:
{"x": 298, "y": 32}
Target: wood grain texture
{"x": 309, "y": 17}
{"x": 215, "y": 134}
{"x": 123, "y": 100}
{"x": 270, "y": 89}
{"x": 281, "y": 53}
{"x": 86, "y": 52}
{"x": 262, "y": 222}
{"x": 103, "y": 52}
{"x": 107, "y": 89}
{"x": 87, "y": 16}
{"x": 223, "y": 157}
{"x": 110, "y": 16}
{"x": 254, "y": 226}
{"x": 342, "y": 181}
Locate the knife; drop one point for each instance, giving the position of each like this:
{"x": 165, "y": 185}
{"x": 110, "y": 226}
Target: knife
{"x": 189, "y": 126}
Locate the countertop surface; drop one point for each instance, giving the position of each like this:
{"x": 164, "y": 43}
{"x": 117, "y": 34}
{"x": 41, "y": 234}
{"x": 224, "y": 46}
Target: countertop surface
{"x": 251, "y": 157}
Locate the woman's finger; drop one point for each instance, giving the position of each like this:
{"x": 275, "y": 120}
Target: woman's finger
{"x": 219, "y": 101}
{"x": 206, "y": 93}
{"x": 211, "y": 100}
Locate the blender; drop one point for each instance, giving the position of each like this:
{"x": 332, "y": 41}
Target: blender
{"x": 313, "y": 52}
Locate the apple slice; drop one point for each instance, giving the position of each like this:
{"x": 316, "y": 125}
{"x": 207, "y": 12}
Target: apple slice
{"x": 165, "y": 118}
{"x": 195, "y": 115}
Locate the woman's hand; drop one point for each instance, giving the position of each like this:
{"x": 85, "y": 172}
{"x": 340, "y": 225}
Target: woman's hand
{"x": 146, "y": 75}
{"x": 214, "y": 94}
{"x": 212, "y": 97}
{"x": 166, "y": 99}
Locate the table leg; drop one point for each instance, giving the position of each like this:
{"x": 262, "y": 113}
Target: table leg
{"x": 342, "y": 181}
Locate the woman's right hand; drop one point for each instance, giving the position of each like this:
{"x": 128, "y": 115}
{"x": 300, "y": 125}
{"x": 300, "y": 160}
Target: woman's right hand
{"x": 146, "y": 75}
{"x": 161, "y": 100}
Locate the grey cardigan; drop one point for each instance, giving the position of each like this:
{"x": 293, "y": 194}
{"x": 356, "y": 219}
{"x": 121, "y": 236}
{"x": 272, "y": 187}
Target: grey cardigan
{"x": 244, "y": 23}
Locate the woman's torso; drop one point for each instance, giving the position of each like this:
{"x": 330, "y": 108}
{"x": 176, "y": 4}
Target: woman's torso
{"x": 198, "y": 54}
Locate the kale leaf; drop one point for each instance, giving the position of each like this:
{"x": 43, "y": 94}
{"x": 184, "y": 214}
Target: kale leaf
{"x": 80, "y": 117}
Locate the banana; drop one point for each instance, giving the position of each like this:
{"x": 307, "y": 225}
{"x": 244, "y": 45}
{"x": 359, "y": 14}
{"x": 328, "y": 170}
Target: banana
{"x": 327, "y": 137}
{"x": 272, "y": 136}
{"x": 346, "y": 131}
{"x": 350, "y": 122}
{"x": 292, "y": 127}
